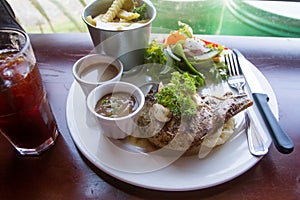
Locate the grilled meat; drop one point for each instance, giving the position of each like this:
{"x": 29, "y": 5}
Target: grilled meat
{"x": 183, "y": 134}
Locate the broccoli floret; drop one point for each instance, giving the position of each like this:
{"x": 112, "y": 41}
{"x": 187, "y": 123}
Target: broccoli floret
{"x": 186, "y": 29}
{"x": 155, "y": 54}
{"x": 177, "y": 95}
{"x": 142, "y": 11}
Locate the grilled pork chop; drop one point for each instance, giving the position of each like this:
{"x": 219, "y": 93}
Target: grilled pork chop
{"x": 174, "y": 132}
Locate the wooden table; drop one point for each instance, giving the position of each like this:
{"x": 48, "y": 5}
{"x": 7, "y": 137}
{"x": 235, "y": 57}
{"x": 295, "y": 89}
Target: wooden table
{"x": 63, "y": 173}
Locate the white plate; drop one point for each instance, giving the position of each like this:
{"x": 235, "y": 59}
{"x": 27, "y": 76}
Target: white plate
{"x": 151, "y": 170}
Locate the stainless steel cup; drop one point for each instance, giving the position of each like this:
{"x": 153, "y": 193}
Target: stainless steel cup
{"x": 127, "y": 45}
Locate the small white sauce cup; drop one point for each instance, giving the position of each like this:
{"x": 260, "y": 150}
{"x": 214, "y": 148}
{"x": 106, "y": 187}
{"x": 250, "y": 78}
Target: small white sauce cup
{"x": 120, "y": 127}
{"x": 93, "y": 59}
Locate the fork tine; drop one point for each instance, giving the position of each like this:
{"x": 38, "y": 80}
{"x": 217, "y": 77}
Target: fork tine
{"x": 232, "y": 63}
{"x": 229, "y": 64}
{"x": 235, "y": 64}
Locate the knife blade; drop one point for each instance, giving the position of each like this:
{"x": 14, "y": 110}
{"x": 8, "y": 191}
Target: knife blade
{"x": 281, "y": 140}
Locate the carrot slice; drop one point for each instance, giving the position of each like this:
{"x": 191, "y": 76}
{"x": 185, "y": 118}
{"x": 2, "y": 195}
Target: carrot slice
{"x": 174, "y": 38}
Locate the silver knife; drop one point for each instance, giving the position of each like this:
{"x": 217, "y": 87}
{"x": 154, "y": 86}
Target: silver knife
{"x": 255, "y": 141}
{"x": 281, "y": 140}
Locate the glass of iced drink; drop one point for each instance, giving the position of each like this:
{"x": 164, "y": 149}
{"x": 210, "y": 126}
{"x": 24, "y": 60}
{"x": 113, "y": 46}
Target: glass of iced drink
{"x": 26, "y": 119}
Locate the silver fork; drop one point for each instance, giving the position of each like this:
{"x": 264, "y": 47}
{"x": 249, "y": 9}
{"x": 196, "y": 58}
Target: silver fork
{"x": 237, "y": 81}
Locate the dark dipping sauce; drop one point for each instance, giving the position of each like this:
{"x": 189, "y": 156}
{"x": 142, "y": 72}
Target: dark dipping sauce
{"x": 116, "y": 105}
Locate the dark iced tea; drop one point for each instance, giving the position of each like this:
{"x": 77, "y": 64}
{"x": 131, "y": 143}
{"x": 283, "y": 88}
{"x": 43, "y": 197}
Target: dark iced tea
{"x": 26, "y": 119}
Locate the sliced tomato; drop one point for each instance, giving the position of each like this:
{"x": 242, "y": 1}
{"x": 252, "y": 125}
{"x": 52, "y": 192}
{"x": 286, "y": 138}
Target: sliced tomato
{"x": 211, "y": 43}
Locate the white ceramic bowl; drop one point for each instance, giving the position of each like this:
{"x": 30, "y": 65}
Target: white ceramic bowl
{"x": 127, "y": 45}
{"x": 118, "y": 127}
{"x": 102, "y": 62}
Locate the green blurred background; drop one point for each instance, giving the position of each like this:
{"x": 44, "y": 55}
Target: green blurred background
{"x": 211, "y": 17}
